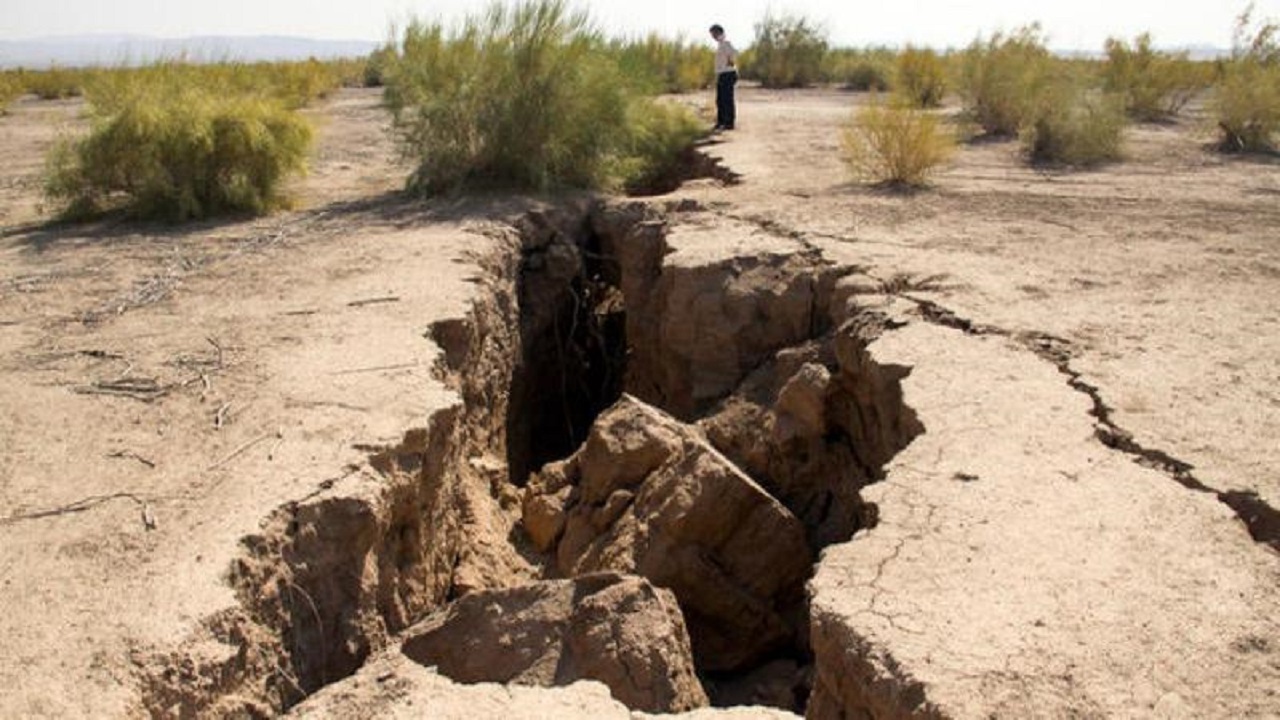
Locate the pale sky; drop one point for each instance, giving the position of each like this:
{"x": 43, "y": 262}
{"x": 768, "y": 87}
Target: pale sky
{"x": 1071, "y": 24}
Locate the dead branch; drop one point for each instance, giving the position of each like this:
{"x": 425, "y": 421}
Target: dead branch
{"x": 240, "y": 450}
{"x": 220, "y": 417}
{"x": 131, "y": 455}
{"x": 144, "y": 389}
{"x": 374, "y": 301}
{"x": 78, "y": 506}
{"x": 378, "y": 368}
{"x": 101, "y": 354}
{"x": 217, "y": 347}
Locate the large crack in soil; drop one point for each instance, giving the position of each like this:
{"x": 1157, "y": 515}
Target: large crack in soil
{"x": 773, "y": 380}
{"x": 706, "y": 427}
{"x": 1260, "y": 519}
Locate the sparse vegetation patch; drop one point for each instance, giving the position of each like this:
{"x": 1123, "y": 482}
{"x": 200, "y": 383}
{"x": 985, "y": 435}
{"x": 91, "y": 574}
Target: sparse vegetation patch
{"x": 896, "y": 144}
{"x": 525, "y": 96}
{"x": 998, "y": 79}
{"x": 921, "y": 77}
{"x": 163, "y": 148}
{"x": 1155, "y": 85}
{"x": 1247, "y": 98}
{"x": 788, "y": 53}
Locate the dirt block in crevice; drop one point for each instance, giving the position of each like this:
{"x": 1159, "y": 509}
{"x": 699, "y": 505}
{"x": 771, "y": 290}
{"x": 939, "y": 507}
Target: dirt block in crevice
{"x": 619, "y": 630}
{"x": 815, "y": 425}
{"x": 695, "y": 330}
{"x": 649, "y": 495}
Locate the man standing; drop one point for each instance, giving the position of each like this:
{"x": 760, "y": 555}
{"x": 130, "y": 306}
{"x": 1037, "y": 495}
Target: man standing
{"x": 726, "y": 78}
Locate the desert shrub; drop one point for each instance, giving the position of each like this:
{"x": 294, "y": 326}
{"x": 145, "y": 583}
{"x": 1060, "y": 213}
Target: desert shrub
{"x": 659, "y": 137}
{"x": 347, "y": 72}
{"x": 1155, "y": 85}
{"x": 788, "y": 52}
{"x": 56, "y": 83}
{"x": 1072, "y": 124}
{"x": 297, "y": 84}
{"x": 524, "y": 96}
{"x": 870, "y": 69}
{"x": 998, "y": 77}
{"x": 896, "y": 143}
{"x": 293, "y": 84}
{"x": 1247, "y": 98}
{"x": 163, "y": 148}
{"x": 921, "y": 77}
{"x": 10, "y": 89}
{"x": 375, "y": 66}
{"x": 657, "y": 64}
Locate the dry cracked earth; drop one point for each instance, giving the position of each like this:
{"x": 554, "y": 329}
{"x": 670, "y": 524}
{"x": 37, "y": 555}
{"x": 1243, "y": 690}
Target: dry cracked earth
{"x": 768, "y": 444}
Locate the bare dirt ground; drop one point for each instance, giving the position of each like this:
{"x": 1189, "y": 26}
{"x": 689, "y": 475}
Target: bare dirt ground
{"x": 197, "y": 379}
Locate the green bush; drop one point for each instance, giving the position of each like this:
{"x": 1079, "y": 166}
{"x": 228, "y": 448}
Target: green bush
{"x": 56, "y": 83}
{"x": 788, "y": 52}
{"x": 1247, "y": 99}
{"x": 297, "y": 84}
{"x": 870, "y": 69}
{"x": 164, "y": 149}
{"x": 1071, "y": 124}
{"x": 659, "y": 139}
{"x": 921, "y": 77}
{"x": 1155, "y": 85}
{"x": 896, "y": 144}
{"x": 293, "y": 84}
{"x": 656, "y": 64}
{"x": 998, "y": 77}
{"x": 11, "y": 89}
{"x": 375, "y": 66}
{"x": 524, "y": 96}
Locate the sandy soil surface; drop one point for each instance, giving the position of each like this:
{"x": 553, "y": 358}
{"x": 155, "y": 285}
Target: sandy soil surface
{"x": 195, "y": 379}
{"x": 1160, "y": 272}
{"x": 251, "y": 362}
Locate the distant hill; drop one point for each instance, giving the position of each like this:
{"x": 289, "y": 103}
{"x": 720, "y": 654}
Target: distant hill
{"x": 136, "y": 49}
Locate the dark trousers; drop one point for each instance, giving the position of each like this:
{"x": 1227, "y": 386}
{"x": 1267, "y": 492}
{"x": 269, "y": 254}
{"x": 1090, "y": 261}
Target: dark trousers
{"x": 726, "y": 111}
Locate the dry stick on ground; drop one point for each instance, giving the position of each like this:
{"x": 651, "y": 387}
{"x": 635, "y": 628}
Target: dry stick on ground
{"x": 144, "y": 389}
{"x": 220, "y": 417}
{"x": 79, "y": 506}
{"x": 356, "y": 371}
{"x": 373, "y": 301}
{"x": 240, "y": 450}
{"x": 101, "y": 354}
{"x": 129, "y": 454}
{"x": 216, "y": 346}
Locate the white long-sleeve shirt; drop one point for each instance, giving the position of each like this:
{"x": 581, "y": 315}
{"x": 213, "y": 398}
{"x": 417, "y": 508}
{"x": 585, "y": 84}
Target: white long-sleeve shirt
{"x": 726, "y": 57}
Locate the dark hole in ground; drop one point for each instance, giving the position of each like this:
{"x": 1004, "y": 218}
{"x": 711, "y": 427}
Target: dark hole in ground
{"x": 573, "y": 334}
{"x": 573, "y": 366}
{"x": 690, "y": 164}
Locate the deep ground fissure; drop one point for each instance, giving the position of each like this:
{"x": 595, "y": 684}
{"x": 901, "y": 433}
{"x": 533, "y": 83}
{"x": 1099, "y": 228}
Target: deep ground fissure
{"x": 577, "y": 360}
{"x": 757, "y": 364}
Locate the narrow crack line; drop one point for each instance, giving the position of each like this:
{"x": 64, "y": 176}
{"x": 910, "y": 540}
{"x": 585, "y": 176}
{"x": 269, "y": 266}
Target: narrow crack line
{"x": 1260, "y": 518}
{"x": 877, "y": 592}
{"x": 775, "y": 227}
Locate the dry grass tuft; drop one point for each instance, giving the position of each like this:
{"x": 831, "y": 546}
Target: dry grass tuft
{"x": 921, "y": 77}
{"x": 1247, "y": 99}
{"x": 896, "y": 144}
{"x": 163, "y": 148}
